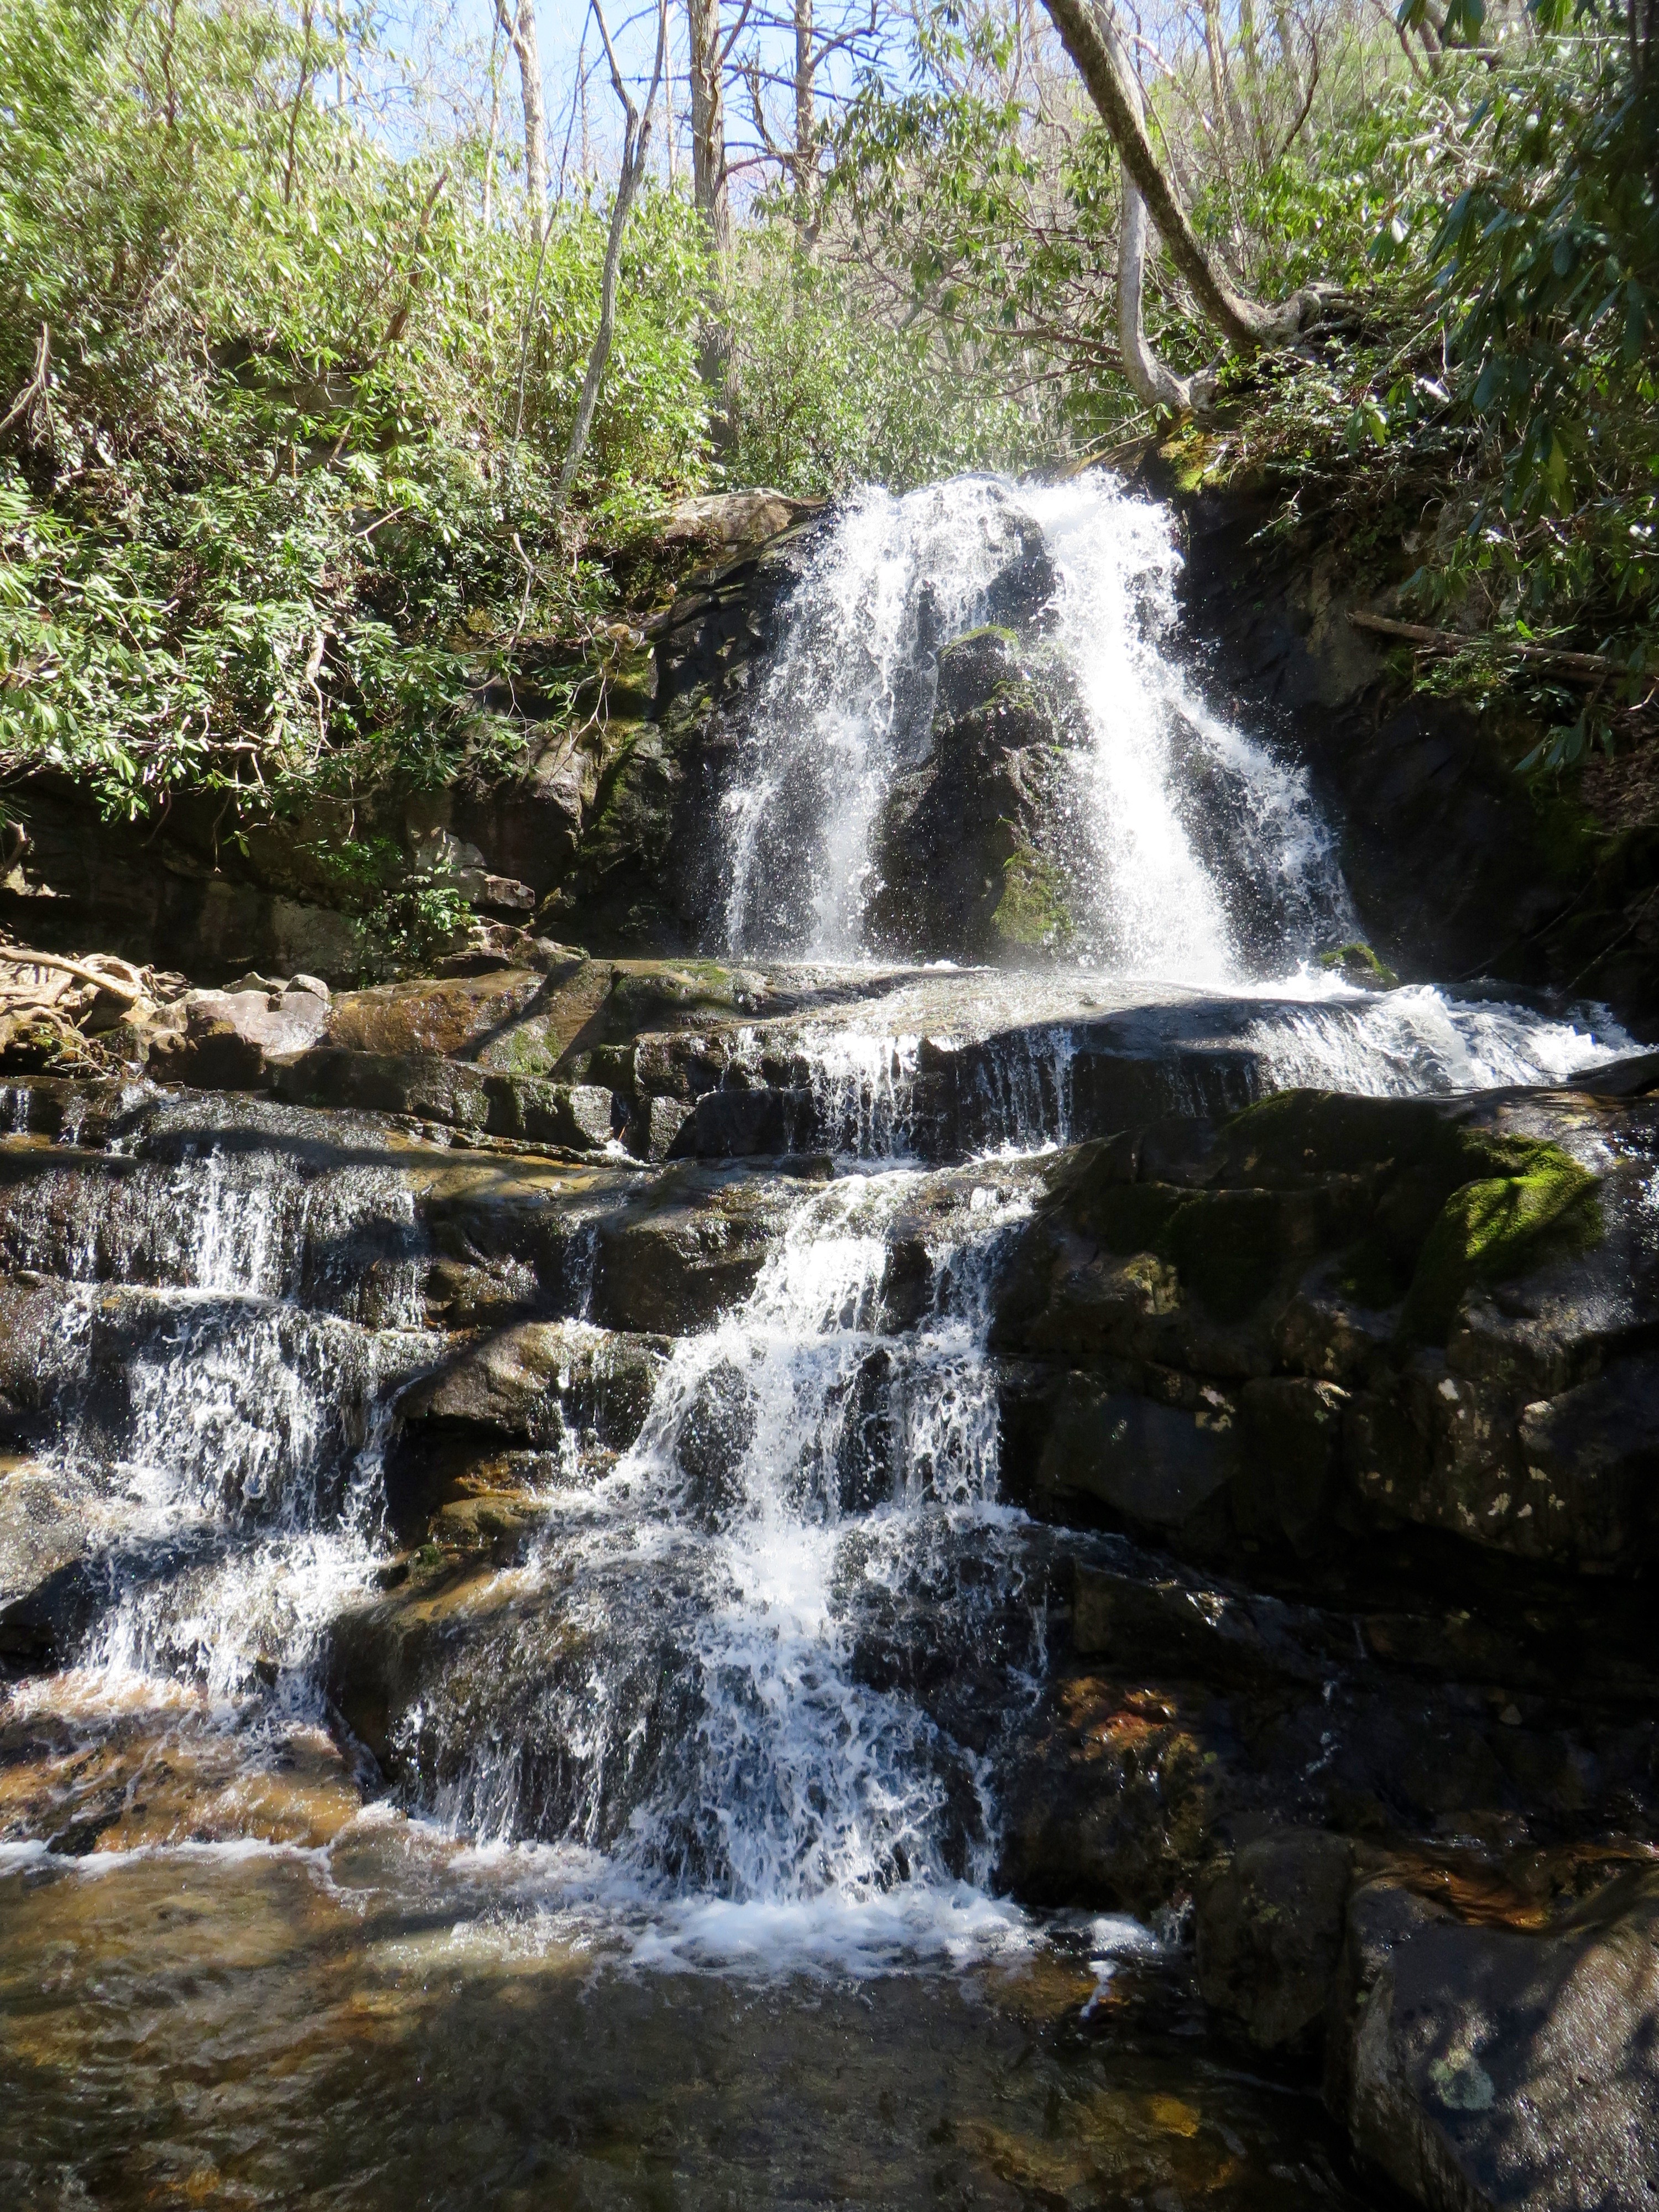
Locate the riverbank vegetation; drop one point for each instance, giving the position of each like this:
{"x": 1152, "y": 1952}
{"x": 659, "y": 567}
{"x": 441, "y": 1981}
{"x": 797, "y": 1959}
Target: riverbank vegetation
{"x": 293, "y": 335}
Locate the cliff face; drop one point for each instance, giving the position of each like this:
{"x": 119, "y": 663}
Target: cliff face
{"x": 1458, "y": 870}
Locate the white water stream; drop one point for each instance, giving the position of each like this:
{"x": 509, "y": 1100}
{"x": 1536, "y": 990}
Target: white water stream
{"x": 738, "y": 1698}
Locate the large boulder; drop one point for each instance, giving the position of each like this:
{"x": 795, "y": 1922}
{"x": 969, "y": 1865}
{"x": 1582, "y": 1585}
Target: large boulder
{"x": 1333, "y": 1315}
{"x": 965, "y": 853}
{"x": 1495, "y": 2068}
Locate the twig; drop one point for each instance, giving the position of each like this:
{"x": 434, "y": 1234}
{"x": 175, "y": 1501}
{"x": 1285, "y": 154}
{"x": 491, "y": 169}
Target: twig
{"x": 35, "y": 388}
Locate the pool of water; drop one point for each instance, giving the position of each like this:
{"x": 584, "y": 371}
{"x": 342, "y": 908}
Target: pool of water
{"x": 391, "y": 2021}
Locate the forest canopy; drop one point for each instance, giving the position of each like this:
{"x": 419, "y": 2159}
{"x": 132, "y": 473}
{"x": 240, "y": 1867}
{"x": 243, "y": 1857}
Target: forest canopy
{"x": 296, "y": 322}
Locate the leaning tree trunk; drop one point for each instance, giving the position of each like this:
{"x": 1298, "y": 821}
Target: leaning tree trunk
{"x": 1245, "y": 323}
{"x": 1153, "y": 383}
{"x": 1251, "y": 49}
{"x": 1229, "y": 116}
{"x": 1300, "y": 99}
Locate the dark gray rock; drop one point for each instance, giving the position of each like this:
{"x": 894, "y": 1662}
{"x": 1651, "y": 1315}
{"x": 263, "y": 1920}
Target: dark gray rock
{"x": 739, "y": 1124}
{"x": 1458, "y": 1297}
{"x": 540, "y": 1382}
{"x": 654, "y": 1126}
{"x": 424, "y": 1086}
{"x": 580, "y": 1116}
{"x": 1503, "y": 2070}
{"x": 964, "y": 853}
{"x": 1152, "y": 1467}
{"x": 1269, "y": 1928}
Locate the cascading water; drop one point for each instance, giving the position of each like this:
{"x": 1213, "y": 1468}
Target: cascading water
{"x": 748, "y": 1676}
{"x": 1202, "y": 857}
{"x": 846, "y": 704}
{"x": 1204, "y": 879}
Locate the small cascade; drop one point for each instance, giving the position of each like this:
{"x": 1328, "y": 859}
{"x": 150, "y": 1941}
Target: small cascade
{"x": 1207, "y": 861}
{"x": 245, "y": 1197}
{"x": 804, "y": 1470}
{"x": 215, "y": 1410}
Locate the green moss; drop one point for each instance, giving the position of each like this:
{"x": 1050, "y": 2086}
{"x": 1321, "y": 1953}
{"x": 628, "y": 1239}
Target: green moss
{"x": 1298, "y": 1133}
{"x": 1570, "y": 837}
{"x": 1013, "y": 695}
{"x": 1033, "y": 910}
{"x": 1193, "y": 454}
{"x": 1499, "y": 1227}
{"x": 528, "y": 1048}
{"x": 1359, "y": 964}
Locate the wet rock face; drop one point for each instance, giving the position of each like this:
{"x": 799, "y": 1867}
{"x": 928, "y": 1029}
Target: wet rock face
{"x": 1507, "y": 2068}
{"x": 1453, "y": 869}
{"x": 1336, "y": 1316}
{"x": 1269, "y": 1929}
{"x": 965, "y": 851}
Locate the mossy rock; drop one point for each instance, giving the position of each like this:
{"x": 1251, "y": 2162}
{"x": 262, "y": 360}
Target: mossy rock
{"x": 1502, "y": 1226}
{"x": 1034, "y": 911}
{"x": 1359, "y": 964}
{"x": 1229, "y": 1247}
{"x": 1421, "y": 1202}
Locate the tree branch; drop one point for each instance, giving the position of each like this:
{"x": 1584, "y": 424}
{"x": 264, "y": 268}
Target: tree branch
{"x": 1587, "y": 667}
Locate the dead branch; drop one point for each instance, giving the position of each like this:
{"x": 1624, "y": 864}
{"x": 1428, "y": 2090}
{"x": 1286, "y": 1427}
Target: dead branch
{"x": 1587, "y": 667}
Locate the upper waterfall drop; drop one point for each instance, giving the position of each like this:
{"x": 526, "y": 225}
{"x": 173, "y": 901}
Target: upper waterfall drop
{"x": 846, "y": 701}
{"x": 1173, "y": 846}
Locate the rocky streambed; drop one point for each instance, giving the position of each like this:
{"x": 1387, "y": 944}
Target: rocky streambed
{"x": 815, "y": 1508}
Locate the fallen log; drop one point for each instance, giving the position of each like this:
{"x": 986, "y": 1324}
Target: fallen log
{"x": 1587, "y": 667}
{"x": 127, "y": 989}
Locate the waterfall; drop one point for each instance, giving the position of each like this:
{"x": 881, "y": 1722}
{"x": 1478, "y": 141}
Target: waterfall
{"x": 1207, "y": 859}
{"x": 745, "y": 1682}
{"x": 846, "y": 704}
{"x": 1201, "y": 859}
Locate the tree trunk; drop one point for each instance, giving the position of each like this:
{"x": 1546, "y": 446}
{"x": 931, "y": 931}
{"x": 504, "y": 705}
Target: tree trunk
{"x": 1153, "y": 384}
{"x": 668, "y": 125}
{"x": 805, "y": 152}
{"x": 494, "y": 127}
{"x": 708, "y": 188}
{"x": 1299, "y": 102}
{"x": 1229, "y": 117}
{"x": 1246, "y": 322}
{"x": 708, "y": 124}
{"x": 1252, "y": 53}
{"x": 522, "y": 36}
{"x": 636, "y": 145}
